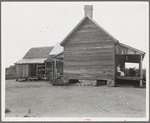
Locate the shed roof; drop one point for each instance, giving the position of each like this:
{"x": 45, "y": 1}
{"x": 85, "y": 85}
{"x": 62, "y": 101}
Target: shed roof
{"x": 129, "y": 47}
{"x": 31, "y": 61}
{"x": 36, "y": 55}
{"x": 38, "y": 52}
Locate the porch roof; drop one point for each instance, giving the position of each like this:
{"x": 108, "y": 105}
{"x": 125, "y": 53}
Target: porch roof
{"x": 31, "y": 61}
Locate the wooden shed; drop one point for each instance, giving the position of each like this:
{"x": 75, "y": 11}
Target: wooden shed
{"x": 32, "y": 65}
{"x": 91, "y": 53}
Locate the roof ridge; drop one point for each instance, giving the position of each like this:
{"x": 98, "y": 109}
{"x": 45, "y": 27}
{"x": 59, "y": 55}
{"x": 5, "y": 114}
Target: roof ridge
{"x": 86, "y": 16}
{"x": 73, "y": 30}
{"x": 102, "y": 28}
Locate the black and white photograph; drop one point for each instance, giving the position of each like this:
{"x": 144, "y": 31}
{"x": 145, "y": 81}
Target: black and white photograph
{"x": 75, "y": 61}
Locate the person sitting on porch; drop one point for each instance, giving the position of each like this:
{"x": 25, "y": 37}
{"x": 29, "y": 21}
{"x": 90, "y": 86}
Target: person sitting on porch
{"x": 119, "y": 71}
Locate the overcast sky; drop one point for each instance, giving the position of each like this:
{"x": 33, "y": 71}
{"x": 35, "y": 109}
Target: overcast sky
{"x": 36, "y": 24}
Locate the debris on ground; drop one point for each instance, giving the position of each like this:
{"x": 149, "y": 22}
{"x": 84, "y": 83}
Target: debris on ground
{"x": 7, "y": 110}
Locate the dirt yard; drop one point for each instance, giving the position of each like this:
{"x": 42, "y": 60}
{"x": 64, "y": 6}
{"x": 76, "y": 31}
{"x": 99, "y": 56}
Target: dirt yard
{"x": 46, "y": 100}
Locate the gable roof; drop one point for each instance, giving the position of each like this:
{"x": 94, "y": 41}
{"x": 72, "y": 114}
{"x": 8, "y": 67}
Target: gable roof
{"x": 57, "y": 49}
{"x": 86, "y": 16}
{"x": 38, "y": 52}
{"x": 60, "y": 55}
{"x": 115, "y": 40}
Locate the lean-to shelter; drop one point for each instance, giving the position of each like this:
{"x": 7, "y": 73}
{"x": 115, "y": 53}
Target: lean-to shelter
{"x": 32, "y": 64}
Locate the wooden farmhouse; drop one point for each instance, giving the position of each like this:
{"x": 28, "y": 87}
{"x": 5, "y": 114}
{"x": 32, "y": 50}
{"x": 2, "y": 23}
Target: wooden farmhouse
{"x": 91, "y": 53}
{"x": 33, "y": 64}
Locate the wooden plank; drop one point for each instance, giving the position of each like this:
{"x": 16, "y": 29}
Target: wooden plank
{"x": 100, "y": 40}
{"x": 26, "y": 70}
{"x": 17, "y": 71}
{"x": 88, "y": 35}
{"x": 96, "y": 66}
{"x": 128, "y": 78}
{"x": 114, "y": 60}
{"x": 36, "y": 69}
{"x": 88, "y": 31}
{"x": 55, "y": 71}
{"x": 88, "y": 26}
{"x": 89, "y": 71}
{"x": 95, "y": 38}
{"x": 90, "y": 51}
{"x": 23, "y": 70}
{"x": 89, "y": 58}
{"x": 88, "y": 77}
{"x": 141, "y": 71}
{"x": 89, "y": 48}
{"x": 91, "y": 44}
{"x": 89, "y": 63}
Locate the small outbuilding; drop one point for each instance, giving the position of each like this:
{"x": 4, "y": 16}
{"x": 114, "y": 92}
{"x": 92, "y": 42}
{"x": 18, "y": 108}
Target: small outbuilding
{"x": 33, "y": 65}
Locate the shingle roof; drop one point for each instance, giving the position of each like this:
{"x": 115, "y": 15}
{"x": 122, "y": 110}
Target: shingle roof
{"x": 38, "y": 52}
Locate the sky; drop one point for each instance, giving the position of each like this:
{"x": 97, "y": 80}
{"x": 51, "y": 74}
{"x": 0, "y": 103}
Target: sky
{"x": 38, "y": 24}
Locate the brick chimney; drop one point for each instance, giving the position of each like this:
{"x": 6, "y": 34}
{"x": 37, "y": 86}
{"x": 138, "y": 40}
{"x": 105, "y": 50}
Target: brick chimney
{"x": 88, "y": 10}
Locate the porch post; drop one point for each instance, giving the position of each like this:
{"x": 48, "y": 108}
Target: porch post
{"x": 45, "y": 72}
{"x": 55, "y": 67}
{"x": 141, "y": 71}
{"x": 36, "y": 69}
{"x": 114, "y": 55}
{"x": 52, "y": 64}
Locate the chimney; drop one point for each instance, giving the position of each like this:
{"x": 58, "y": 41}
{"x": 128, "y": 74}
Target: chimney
{"x": 88, "y": 10}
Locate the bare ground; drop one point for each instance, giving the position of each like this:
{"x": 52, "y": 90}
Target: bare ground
{"x": 73, "y": 101}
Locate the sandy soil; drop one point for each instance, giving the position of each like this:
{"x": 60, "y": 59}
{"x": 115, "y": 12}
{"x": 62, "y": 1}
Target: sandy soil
{"x": 73, "y": 101}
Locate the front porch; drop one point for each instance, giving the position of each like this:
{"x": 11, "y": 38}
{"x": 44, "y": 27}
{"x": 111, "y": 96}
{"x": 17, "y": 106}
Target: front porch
{"x": 131, "y": 74}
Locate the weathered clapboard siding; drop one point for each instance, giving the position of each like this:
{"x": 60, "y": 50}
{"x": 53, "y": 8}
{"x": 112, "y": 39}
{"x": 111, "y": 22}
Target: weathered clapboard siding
{"x": 88, "y": 53}
{"x": 87, "y": 76}
{"x": 107, "y": 63}
{"x": 105, "y": 56}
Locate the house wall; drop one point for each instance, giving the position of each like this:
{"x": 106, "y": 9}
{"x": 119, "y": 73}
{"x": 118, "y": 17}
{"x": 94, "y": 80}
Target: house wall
{"x": 89, "y": 53}
{"x": 22, "y": 70}
{"x": 32, "y": 70}
{"x": 59, "y": 67}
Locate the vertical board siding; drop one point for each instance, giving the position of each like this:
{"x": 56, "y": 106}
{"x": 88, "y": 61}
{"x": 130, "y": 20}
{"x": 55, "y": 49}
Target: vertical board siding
{"x": 22, "y": 70}
{"x": 123, "y": 50}
{"x": 17, "y": 70}
{"x": 88, "y": 53}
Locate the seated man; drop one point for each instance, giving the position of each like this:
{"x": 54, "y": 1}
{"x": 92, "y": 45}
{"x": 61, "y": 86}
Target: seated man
{"x": 119, "y": 71}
